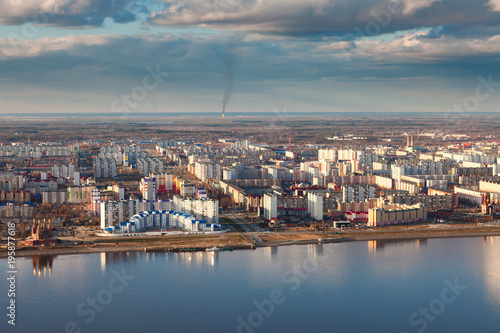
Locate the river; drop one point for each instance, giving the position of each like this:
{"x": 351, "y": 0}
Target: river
{"x": 434, "y": 285}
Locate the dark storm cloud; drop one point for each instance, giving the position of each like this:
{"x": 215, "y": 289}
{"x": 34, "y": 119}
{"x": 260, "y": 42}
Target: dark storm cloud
{"x": 198, "y": 61}
{"x": 328, "y": 17}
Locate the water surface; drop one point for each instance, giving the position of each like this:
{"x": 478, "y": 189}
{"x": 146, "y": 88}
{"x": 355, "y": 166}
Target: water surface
{"x": 377, "y": 286}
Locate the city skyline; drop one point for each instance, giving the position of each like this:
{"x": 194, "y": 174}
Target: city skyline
{"x": 307, "y": 56}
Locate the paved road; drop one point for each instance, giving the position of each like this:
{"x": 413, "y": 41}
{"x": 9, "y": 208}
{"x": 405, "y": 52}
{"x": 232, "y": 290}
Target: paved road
{"x": 240, "y": 223}
{"x": 254, "y": 226}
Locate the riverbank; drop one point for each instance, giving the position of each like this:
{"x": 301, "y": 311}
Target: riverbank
{"x": 377, "y": 238}
{"x": 251, "y": 241}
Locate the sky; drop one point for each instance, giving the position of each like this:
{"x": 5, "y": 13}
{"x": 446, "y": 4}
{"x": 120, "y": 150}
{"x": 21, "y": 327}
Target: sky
{"x": 133, "y": 56}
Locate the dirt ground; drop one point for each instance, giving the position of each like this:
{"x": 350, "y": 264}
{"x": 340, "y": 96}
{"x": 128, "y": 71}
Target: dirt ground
{"x": 424, "y": 230}
{"x": 119, "y": 244}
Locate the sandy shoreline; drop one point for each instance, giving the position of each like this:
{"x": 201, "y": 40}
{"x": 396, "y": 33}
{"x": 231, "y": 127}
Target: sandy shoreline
{"x": 324, "y": 240}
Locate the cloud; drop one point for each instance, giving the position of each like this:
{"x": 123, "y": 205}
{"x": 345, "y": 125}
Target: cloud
{"x": 14, "y": 48}
{"x": 67, "y": 13}
{"x": 197, "y": 61}
{"x": 342, "y": 45}
{"x": 325, "y": 17}
{"x": 79, "y": 71}
{"x": 417, "y": 48}
{"x": 411, "y": 6}
{"x": 494, "y": 5}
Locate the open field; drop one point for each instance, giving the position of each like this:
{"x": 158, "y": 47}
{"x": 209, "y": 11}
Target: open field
{"x": 269, "y": 129}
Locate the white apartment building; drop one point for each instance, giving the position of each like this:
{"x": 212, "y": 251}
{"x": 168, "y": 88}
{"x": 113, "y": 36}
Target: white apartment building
{"x": 207, "y": 170}
{"x": 327, "y": 155}
{"x": 358, "y": 193}
{"x": 201, "y": 209}
{"x": 148, "y": 165}
{"x": 148, "y": 188}
{"x": 112, "y": 213}
{"x": 104, "y": 168}
{"x": 315, "y": 205}
{"x": 270, "y": 202}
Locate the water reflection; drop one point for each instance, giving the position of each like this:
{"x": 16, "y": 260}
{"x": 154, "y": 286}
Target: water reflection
{"x": 375, "y": 245}
{"x": 315, "y": 250}
{"x": 117, "y": 257}
{"x": 188, "y": 258}
{"x": 271, "y": 252}
{"x": 42, "y": 265}
{"x": 491, "y": 245}
{"x": 198, "y": 259}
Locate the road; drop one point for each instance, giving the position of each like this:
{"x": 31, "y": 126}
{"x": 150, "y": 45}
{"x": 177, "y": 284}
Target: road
{"x": 251, "y": 229}
{"x": 241, "y": 223}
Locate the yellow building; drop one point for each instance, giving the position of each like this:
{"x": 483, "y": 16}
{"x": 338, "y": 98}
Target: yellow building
{"x": 396, "y": 214}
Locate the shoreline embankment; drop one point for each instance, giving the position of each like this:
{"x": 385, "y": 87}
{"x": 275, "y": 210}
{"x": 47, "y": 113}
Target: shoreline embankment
{"x": 169, "y": 248}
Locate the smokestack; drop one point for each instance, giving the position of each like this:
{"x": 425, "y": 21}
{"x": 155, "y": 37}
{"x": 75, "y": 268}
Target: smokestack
{"x": 228, "y": 79}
